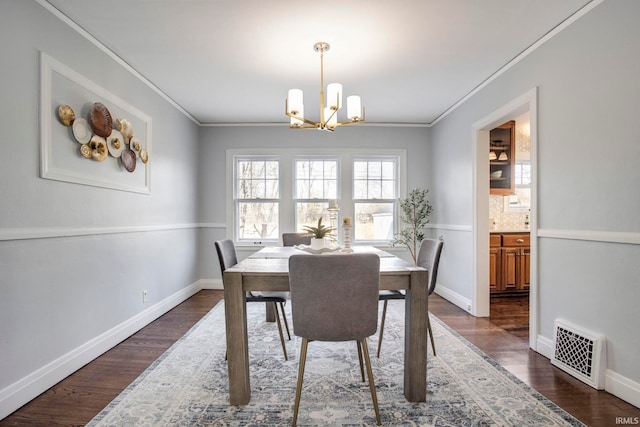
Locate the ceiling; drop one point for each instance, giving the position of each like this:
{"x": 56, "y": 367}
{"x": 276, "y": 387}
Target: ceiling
{"x": 226, "y": 61}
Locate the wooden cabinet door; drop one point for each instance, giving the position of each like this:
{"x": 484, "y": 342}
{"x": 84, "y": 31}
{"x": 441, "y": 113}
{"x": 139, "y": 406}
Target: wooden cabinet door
{"x": 509, "y": 266}
{"x": 494, "y": 270}
{"x": 509, "y": 263}
{"x": 524, "y": 264}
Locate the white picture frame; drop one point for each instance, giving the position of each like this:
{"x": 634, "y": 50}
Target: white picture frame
{"x": 60, "y": 157}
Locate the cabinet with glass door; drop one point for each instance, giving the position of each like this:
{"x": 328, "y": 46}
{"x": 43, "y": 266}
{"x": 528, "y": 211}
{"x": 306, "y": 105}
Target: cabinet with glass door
{"x": 502, "y": 159}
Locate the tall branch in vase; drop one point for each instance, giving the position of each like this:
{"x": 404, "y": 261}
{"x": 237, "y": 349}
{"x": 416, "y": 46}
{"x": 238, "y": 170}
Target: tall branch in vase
{"x": 414, "y": 213}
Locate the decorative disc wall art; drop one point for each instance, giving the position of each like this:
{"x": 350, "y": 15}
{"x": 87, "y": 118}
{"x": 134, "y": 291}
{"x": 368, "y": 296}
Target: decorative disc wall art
{"x": 99, "y": 139}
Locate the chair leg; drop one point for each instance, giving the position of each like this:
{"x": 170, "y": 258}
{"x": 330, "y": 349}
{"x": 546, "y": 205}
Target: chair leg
{"x": 303, "y": 359}
{"x": 384, "y": 316}
{"x": 284, "y": 316}
{"x": 360, "y": 360}
{"x": 284, "y": 348}
{"x": 372, "y": 385}
{"x": 430, "y": 333}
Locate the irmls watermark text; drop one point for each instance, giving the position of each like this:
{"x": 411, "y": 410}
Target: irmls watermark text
{"x": 627, "y": 420}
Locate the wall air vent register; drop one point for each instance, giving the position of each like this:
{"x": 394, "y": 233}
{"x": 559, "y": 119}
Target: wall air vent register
{"x": 580, "y": 353}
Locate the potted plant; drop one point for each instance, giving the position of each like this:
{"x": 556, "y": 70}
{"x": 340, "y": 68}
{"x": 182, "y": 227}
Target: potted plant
{"x": 318, "y": 234}
{"x": 414, "y": 213}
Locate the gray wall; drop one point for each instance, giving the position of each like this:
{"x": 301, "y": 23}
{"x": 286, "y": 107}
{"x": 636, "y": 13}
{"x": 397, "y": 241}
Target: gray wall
{"x": 57, "y": 294}
{"x": 588, "y": 177}
{"x": 215, "y": 141}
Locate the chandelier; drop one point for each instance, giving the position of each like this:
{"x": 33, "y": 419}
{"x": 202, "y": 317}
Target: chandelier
{"x": 294, "y": 106}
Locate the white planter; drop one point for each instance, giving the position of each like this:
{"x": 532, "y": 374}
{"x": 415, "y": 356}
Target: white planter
{"x": 317, "y": 243}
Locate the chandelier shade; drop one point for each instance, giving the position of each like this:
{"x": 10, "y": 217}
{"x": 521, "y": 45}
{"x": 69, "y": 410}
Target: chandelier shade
{"x": 329, "y": 107}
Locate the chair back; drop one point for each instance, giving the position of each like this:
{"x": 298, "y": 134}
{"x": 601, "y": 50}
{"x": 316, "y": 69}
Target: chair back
{"x": 226, "y": 254}
{"x": 429, "y": 258}
{"x": 334, "y": 297}
{"x": 292, "y": 239}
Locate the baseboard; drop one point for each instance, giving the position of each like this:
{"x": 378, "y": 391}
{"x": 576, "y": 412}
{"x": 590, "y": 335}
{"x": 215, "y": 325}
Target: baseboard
{"x": 34, "y": 384}
{"x": 622, "y": 387}
{"x": 211, "y": 284}
{"x": 544, "y": 346}
{"x": 453, "y": 297}
{"x": 616, "y": 384}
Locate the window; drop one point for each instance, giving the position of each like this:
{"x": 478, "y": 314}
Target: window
{"x": 271, "y": 191}
{"x": 521, "y": 200}
{"x": 375, "y": 191}
{"x": 316, "y": 182}
{"x": 257, "y": 193}
{"x": 523, "y": 174}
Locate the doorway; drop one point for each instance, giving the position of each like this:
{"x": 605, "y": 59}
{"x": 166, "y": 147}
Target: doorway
{"x": 527, "y": 103}
{"x": 509, "y": 210}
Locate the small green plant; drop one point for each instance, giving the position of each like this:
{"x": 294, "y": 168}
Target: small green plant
{"x": 414, "y": 213}
{"x": 320, "y": 231}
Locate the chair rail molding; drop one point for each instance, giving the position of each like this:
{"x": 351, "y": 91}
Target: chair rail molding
{"x": 57, "y": 232}
{"x": 627, "y": 237}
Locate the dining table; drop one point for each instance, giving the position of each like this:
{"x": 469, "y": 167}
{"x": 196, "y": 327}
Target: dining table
{"x": 268, "y": 270}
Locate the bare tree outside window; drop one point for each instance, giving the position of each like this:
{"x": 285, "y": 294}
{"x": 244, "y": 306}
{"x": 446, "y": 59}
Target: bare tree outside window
{"x": 258, "y": 188}
{"x": 316, "y": 182}
{"x": 280, "y": 190}
{"x": 375, "y": 188}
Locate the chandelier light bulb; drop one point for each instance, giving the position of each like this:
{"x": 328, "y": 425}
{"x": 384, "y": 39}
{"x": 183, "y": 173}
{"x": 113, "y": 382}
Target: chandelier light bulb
{"x": 354, "y": 108}
{"x": 334, "y": 96}
{"x": 295, "y": 103}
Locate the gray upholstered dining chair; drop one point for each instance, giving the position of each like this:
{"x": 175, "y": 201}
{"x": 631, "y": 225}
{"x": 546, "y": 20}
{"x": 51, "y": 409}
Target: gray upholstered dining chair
{"x": 429, "y": 258}
{"x": 335, "y": 298}
{"x": 228, "y": 258}
{"x": 292, "y": 239}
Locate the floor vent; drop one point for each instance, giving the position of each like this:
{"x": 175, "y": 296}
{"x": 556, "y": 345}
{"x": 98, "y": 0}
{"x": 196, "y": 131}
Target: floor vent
{"x": 580, "y": 353}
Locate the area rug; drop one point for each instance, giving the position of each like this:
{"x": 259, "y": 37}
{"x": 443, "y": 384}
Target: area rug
{"x": 187, "y": 385}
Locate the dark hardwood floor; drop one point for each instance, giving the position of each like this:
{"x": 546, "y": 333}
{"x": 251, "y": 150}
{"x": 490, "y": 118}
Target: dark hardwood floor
{"x": 503, "y": 336}
{"x": 511, "y": 313}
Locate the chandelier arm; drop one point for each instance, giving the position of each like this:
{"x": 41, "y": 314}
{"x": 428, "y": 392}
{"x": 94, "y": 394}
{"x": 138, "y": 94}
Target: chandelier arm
{"x": 305, "y": 127}
{"x": 333, "y": 113}
{"x": 310, "y": 122}
{"x": 351, "y": 122}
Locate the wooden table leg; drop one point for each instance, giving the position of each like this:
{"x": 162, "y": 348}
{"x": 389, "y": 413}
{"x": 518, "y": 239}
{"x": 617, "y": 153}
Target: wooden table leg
{"x": 415, "y": 341}
{"x": 235, "y": 312}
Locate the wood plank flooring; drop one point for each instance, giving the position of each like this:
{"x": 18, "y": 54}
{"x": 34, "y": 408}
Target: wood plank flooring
{"x": 78, "y": 398}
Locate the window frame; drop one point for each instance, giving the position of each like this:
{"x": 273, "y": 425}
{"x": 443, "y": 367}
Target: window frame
{"x": 295, "y": 200}
{"x": 287, "y": 214}
{"x": 394, "y": 201}
{"x": 236, "y": 200}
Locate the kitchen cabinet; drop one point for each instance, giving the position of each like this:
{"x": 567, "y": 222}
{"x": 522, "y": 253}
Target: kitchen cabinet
{"x": 502, "y": 159}
{"x": 509, "y": 264}
{"x": 494, "y": 261}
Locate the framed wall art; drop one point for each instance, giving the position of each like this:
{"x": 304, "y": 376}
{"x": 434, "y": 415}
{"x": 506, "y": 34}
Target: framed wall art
{"x": 90, "y": 136}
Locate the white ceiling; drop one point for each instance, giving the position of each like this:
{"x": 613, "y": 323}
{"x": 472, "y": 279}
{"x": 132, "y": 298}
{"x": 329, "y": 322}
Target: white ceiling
{"x": 233, "y": 61}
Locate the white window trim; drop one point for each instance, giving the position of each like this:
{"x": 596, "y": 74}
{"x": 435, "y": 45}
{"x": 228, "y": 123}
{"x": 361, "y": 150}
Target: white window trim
{"x": 399, "y": 193}
{"x": 234, "y": 191}
{"x": 297, "y": 157}
{"x": 287, "y": 158}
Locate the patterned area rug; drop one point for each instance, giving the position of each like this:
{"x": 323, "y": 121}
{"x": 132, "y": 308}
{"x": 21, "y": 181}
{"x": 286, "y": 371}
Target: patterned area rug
{"x": 187, "y": 386}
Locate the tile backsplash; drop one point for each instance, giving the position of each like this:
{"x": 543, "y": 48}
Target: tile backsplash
{"x": 505, "y": 220}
